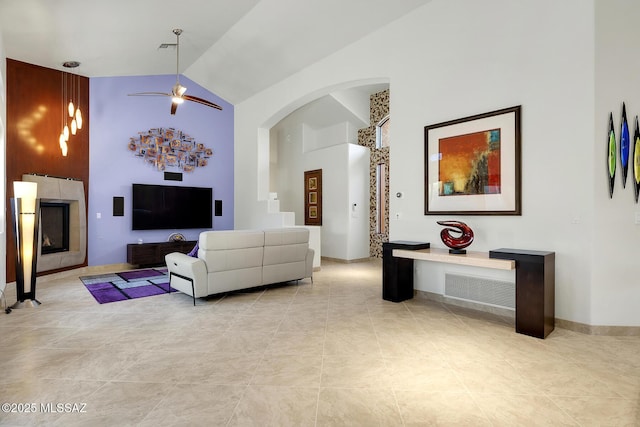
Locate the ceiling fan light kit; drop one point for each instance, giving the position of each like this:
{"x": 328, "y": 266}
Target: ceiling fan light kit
{"x": 177, "y": 92}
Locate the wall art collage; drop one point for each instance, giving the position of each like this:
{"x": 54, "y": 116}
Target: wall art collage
{"x": 313, "y": 197}
{"x": 624, "y": 152}
{"x": 164, "y": 148}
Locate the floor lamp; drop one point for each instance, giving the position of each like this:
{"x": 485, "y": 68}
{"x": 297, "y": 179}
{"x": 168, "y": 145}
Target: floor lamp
{"x": 25, "y": 207}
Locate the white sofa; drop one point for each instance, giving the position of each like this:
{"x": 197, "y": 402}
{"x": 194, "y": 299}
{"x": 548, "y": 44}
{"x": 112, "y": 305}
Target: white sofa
{"x": 230, "y": 260}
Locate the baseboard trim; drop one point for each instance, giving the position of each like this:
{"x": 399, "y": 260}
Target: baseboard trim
{"x": 616, "y": 331}
{"x": 345, "y": 261}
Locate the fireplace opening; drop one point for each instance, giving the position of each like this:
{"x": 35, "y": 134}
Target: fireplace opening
{"x": 54, "y": 220}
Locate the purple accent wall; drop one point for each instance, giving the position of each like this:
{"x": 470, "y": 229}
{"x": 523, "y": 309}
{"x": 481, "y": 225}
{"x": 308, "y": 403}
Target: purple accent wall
{"x": 115, "y": 118}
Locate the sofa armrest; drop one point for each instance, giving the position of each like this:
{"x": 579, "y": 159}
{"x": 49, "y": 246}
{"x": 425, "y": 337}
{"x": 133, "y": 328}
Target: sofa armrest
{"x": 309, "y": 264}
{"x": 188, "y": 274}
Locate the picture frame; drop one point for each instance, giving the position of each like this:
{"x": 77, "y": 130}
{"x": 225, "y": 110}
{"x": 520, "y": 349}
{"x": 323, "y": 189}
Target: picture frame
{"x": 472, "y": 165}
{"x": 313, "y": 197}
{"x": 313, "y": 183}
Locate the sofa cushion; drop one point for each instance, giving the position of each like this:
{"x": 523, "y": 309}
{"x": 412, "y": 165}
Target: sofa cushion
{"x": 285, "y": 245}
{"x": 286, "y": 236}
{"x": 232, "y": 259}
{"x": 231, "y": 239}
{"x": 226, "y": 250}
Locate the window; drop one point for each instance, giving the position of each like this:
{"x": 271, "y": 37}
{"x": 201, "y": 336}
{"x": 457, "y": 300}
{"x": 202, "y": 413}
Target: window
{"x": 381, "y": 198}
{"x": 382, "y": 133}
{"x": 382, "y": 142}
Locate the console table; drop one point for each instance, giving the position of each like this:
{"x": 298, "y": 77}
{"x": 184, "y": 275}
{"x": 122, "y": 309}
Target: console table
{"x": 152, "y": 254}
{"x": 535, "y": 278}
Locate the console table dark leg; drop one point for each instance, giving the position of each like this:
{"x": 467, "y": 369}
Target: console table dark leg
{"x": 535, "y": 290}
{"x": 397, "y": 273}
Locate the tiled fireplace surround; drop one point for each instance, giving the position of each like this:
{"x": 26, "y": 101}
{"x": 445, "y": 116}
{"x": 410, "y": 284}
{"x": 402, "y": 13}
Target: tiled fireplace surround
{"x": 63, "y": 190}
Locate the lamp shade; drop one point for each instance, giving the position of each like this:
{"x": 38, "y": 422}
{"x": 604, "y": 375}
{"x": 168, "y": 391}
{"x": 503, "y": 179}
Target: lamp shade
{"x": 78, "y": 117}
{"x": 26, "y": 215}
{"x": 27, "y": 192}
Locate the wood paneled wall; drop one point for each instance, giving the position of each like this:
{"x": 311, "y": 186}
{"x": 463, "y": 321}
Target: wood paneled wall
{"x": 35, "y": 109}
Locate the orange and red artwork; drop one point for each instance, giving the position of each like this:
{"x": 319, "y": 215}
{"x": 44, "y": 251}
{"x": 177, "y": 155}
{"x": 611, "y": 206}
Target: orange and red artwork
{"x": 470, "y": 164}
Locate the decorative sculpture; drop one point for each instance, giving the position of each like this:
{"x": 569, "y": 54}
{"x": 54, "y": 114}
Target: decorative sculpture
{"x": 636, "y": 159}
{"x": 625, "y": 142}
{"x": 611, "y": 155}
{"x": 456, "y": 244}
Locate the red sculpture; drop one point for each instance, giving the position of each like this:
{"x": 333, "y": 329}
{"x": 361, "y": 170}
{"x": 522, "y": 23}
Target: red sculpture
{"x": 456, "y": 243}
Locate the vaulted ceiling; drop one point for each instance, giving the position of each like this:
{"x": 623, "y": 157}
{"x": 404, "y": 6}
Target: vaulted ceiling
{"x": 247, "y": 45}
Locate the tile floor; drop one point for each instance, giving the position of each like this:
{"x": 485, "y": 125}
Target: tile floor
{"x": 328, "y": 353}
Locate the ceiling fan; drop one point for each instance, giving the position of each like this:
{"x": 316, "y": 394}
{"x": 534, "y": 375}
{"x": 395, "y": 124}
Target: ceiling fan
{"x": 177, "y": 92}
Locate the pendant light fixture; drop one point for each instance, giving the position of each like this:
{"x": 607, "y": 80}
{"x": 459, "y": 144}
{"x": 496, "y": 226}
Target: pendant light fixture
{"x": 62, "y": 140}
{"x": 69, "y": 92}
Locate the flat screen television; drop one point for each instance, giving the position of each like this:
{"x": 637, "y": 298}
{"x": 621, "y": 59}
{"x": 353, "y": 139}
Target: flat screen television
{"x": 164, "y": 207}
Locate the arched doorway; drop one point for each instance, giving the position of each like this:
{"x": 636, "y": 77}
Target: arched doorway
{"x": 308, "y": 130}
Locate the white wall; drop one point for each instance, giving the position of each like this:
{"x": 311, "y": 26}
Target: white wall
{"x": 358, "y": 167}
{"x": 614, "y": 267}
{"x": 331, "y": 135}
{"x": 528, "y": 58}
{"x": 288, "y": 170}
{"x": 345, "y": 171}
{"x": 454, "y": 58}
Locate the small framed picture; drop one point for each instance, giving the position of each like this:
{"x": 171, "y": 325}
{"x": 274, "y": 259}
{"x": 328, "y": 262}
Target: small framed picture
{"x": 313, "y": 183}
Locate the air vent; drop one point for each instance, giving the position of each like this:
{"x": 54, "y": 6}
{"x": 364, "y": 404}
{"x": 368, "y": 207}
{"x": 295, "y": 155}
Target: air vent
{"x": 481, "y": 290}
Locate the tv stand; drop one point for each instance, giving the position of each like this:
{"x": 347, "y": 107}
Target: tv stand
{"x": 152, "y": 254}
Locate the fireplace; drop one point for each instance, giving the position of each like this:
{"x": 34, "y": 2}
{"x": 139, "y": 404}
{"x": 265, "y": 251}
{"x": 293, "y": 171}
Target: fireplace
{"x": 63, "y": 222}
{"x": 54, "y": 220}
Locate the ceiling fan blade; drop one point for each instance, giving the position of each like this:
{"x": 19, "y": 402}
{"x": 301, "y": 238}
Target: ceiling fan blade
{"x": 202, "y": 101}
{"x": 174, "y": 107}
{"x": 149, "y": 94}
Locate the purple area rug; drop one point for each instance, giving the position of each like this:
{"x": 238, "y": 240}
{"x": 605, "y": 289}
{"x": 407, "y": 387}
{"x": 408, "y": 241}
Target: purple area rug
{"x": 140, "y": 274}
{"x": 127, "y": 285}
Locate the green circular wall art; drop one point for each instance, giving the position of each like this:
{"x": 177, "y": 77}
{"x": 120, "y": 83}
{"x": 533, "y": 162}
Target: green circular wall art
{"x": 164, "y": 148}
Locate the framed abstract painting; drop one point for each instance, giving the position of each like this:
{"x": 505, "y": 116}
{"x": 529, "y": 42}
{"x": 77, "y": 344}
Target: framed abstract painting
{"x": 472, "y": 165}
